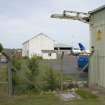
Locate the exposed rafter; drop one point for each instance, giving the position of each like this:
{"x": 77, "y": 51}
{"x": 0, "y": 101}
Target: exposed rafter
{"x": 83, "y": 17}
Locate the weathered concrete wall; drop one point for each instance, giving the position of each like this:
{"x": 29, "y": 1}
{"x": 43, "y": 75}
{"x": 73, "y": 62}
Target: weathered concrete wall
{"x": 97, "y": 60}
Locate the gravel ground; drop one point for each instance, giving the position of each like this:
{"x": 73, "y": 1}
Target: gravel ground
{"x": 69, "y": 64}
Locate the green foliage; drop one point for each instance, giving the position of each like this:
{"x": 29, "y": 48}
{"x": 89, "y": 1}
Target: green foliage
{"x": 16, "y": 63}
{"x": 86, "y": 94}
{"x": 33, "y": 66}
{"x": 67, "y": 77}
{"x": 52, "y": 79}
{"x": 25, "y": 73}
{"x": 1, "y": 47}
{"x": 25, "y": 57}
{"x": 3, "y": 73}
{"x": 33, "y": 75}
{"x": 16, "y": 68}
{"x": 46, "y": 99}
{"x": 21, "y": 79}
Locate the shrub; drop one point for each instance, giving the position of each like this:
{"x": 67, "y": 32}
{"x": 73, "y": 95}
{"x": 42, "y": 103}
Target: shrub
{"x": 16, "y": 63}
{"x": 33, "y": 66}
{"x": 25, "y": 73}
{"x": 52, "y": 79}
{"x": 32, "y": 75}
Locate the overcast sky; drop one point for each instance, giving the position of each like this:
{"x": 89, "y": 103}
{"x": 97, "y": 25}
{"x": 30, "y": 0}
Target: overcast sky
{"x": 23, "y": 19}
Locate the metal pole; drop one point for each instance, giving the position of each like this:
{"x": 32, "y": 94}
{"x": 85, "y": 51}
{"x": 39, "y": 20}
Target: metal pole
{"x": 61, "y": 75}
{"x": 10, "y": 92}
{"x": 62, "y": 54}
{"x": 9, "y": 65}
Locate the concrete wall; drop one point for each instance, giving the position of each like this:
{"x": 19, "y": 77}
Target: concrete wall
{"x": 97, "y": 60}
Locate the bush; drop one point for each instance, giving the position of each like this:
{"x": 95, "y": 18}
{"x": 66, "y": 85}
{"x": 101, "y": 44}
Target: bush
{"x": 32, "y": 75}
{"x": 33, "y": 66}
{"x": 52, "y": 79}
{"x": 16, "y": 63}
{"x": 25, "y": 73}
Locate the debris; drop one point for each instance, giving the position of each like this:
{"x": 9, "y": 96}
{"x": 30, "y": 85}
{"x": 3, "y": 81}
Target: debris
{"x": 69, "y": 96}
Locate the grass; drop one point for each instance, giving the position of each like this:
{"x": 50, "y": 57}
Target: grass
{"x": 46, "y": 99}
{"x": 67, "y": 77}
{"x": 3, "y": 73}
{"x": 86, "y": 94}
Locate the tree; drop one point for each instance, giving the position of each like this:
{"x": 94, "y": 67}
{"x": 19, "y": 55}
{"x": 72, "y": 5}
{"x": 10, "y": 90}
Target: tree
{"x": 33, "y": 67}
{"x": 1, "y": 47}
{"x": 51, "y": 78}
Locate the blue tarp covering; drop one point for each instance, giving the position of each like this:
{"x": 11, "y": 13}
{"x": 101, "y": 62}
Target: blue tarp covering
{"x": 82, "y": 61}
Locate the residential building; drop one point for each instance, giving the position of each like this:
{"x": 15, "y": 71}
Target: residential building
{"x": 39, "y": 45}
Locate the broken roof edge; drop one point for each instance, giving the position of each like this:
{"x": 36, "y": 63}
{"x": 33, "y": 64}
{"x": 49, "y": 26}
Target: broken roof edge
{"x": 97, "y": 9}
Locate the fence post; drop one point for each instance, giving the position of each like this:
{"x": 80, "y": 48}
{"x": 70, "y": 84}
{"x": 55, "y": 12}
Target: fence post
{"x": 10, "y": 90}
{"x": 62, "y": 55}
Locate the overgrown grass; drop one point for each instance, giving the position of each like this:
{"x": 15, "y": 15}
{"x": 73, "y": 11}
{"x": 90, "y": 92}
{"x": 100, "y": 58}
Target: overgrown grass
{"x": 67, "y": 77}
{"x": 86, "y": 94}
{"x": 45, "y": 99}
{"x": 3, "y": 73}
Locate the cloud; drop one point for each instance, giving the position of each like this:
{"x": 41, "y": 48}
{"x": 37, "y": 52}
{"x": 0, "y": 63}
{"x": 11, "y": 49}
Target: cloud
{"x": 22, "y": 19}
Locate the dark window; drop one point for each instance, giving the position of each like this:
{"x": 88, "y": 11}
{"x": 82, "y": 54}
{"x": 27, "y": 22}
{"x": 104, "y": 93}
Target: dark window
{"x": 49, "y": 54}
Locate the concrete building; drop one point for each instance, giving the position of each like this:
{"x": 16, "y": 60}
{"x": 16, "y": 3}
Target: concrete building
{"x": 40, "y": 45}
{"x": 96, "y": 21}
{"x": 97, "y": 60}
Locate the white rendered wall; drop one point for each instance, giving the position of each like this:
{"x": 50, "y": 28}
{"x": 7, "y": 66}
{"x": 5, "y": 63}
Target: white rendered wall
{"x": 46, "y": 56}
{"x": 39, "y": 43}
{"x": 25, "y": 49}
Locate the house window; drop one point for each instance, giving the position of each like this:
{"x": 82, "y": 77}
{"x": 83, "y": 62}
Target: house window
{"x": 49, "y": 54}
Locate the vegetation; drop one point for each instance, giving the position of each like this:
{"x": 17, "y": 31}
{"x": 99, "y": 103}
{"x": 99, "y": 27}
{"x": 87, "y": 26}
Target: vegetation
{"x": 31, "y": 75}
{"x": 46, "y": 99}
{"x": 1, "y": 47}
{"x": 67, "y": 77}
{"x": 86, "y": 94}
{"x": 52, "y": 79}
{"x": 33, "y": 72}
{"x": 3, "y": 73}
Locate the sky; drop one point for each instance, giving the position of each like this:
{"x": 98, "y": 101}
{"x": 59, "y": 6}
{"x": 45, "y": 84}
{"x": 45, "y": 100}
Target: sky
{"x": 22, "y": 19}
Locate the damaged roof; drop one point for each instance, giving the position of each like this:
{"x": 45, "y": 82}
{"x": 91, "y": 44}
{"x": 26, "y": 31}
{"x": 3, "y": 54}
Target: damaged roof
{"x": 97, "y": 9}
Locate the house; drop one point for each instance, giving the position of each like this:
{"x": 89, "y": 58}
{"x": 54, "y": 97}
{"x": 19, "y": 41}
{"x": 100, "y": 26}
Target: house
{"x": 40, "y": 45}
{"x": 3, "y": 59}
{"x": 13, "y": 52}
{"x": 44, "y": 46}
